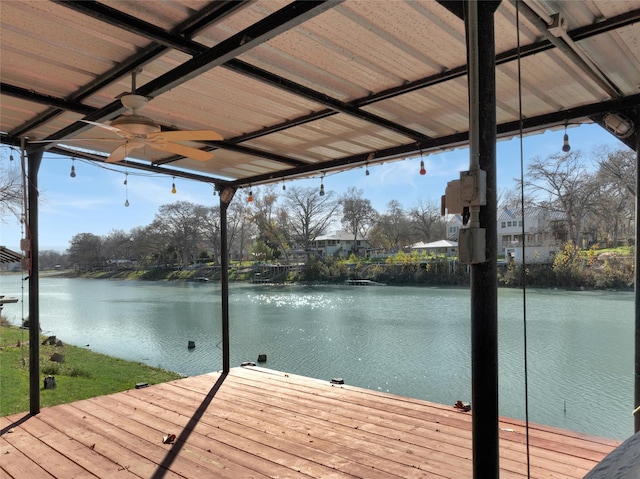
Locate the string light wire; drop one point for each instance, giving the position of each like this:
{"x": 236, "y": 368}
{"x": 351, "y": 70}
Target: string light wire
{"x": 523, "y": 232}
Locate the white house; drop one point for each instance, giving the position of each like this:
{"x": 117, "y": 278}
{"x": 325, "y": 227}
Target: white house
{"x": 338, "y": 243}
{"x": 454, "y": 223}
{"x": 544, "y": 234}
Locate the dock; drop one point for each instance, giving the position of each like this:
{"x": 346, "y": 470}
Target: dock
{"x": 363, "y": 282}
{"x": 260, "y": 423}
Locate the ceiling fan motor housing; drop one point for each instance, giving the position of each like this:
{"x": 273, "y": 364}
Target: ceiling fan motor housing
{"x": 136, "y": 125}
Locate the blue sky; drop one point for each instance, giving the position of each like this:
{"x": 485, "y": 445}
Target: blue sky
{"x": 93, "y": 201}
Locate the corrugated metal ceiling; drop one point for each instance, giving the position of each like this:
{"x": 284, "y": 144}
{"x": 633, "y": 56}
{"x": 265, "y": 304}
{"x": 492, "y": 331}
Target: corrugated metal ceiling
{"x": 297, "y": 87}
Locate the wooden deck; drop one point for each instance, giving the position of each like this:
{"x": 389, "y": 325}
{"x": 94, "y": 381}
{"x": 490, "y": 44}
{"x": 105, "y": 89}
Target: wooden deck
{"x": 261, "y": 423}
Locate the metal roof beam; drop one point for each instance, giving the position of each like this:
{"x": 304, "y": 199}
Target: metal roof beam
{"x": 565, "y": 44}
{"x": 152, "y": 32}
{"x": 200, "y": 20}
{"x": 457, "y": 72}
{"x": 451, "y": 141}
{"x": 269, "y": 27}
{"x": 80, "y": 108}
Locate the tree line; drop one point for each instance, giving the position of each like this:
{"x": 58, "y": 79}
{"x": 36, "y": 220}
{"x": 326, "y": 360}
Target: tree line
{"x": 273, "y": 226}
{"x": 598, "y": 205}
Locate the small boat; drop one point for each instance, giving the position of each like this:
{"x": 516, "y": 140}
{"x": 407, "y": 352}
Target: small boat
{"x": 201, "y": 279}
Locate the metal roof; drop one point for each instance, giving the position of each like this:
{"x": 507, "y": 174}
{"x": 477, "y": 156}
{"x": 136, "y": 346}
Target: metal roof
{"x": 300, "y": 87}
{"x": 9, "y": 256}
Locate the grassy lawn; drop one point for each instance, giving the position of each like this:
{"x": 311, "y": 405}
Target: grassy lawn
{"x": 84, "y": 373}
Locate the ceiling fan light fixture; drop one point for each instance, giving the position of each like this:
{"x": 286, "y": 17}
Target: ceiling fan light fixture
{"x": 134, "y": 102}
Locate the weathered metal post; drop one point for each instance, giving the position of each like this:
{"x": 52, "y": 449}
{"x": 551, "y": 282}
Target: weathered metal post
{"x": 34, "y": 159}
{"x": 479, "y": 23}
{"x": 226, "y": 195}
{"x": 636, "y": 403}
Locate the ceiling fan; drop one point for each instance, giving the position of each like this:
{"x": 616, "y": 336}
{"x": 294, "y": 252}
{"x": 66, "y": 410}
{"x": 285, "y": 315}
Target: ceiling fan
{"x": 138, "y": 131}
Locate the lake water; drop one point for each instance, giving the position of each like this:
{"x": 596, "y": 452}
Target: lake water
{"x": 412, "y": 341}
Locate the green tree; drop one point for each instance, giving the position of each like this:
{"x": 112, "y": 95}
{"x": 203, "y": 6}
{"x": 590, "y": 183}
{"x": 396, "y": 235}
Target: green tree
{"x": 271, "y": 221}
{"x": 85, "y": 251}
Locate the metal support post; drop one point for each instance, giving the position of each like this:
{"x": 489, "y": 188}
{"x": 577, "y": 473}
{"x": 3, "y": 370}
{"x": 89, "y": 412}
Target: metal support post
{"x": 226, "y": 195}
{"x": 636, "y": 403}
{"x": 479, "y": 23}
{"x": 34, "y": 159}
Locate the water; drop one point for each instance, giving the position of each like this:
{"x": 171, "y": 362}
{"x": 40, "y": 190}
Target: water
{"x": 412, "y": 341}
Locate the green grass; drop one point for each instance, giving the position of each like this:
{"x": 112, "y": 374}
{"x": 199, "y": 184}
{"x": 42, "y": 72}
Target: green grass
{"x": 84, "y": 373}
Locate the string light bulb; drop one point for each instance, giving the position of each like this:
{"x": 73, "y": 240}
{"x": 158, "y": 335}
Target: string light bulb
{"x": 173, "y": 186}
{"x": 322, "y": 185}
{"x": 126, "y": 189}
{"x": 423, "y": 170}
{"x": 566, "y": 147}
{"x": 73, "y": 168}
{"x": 250, "y": 197}
{"x": 284, "y": 187}
{"x": 366, "y": 169}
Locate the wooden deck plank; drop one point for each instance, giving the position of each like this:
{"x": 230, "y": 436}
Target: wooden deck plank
{"x": 98, "y": 435}
{"x": 49, "y": 459}
{"x": 233, "y": 425}
{"x": 16, "y": 465}
{"x": 205, "y": 437}
{"x": 332, "y": 441}
{"x": 84, "y": 456}
{"x": 264, "y": 423}
{"x": 410, "y": 428}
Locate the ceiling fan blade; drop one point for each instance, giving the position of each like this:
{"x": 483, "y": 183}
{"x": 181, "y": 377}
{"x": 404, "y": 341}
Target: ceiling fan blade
{"x": 188, "y": 135}
{"x": 104, "y": 126}
{"x": 182, "y": 150}
{"x": 120, "y": 153}
{"x": 73, "y": 140}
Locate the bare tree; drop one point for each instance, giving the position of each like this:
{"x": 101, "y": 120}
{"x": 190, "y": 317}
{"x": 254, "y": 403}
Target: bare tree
{"x": 183, "y": 221}
{"x": 117, "y": 245}
{"x": 393, "y": 230}
{"x": 308, "y": 214}
{"x": 619, "y": 167}
{"x": 426, "y": 221}
{"x": 615, "y": 200}
{"x": 358, "y": 216}
{"x": 211, "y": 231}
{"x": 241, "y": 229}
{"x": 10, "y": 190}
{"x": 562, "y": 183}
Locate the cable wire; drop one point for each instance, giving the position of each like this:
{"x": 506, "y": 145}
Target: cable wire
{"x": 523, "y": 231}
